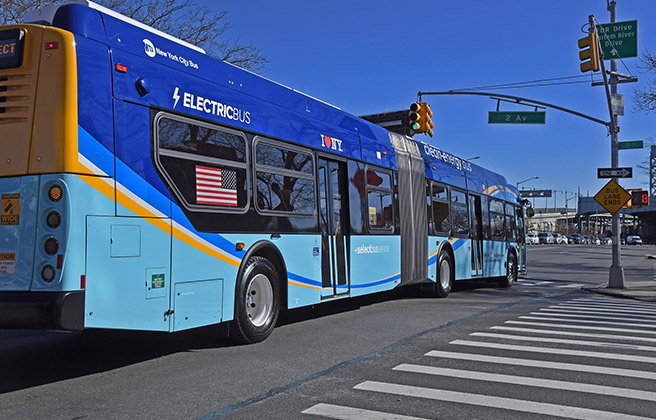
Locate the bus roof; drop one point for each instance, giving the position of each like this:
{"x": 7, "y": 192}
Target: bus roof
{"x": 373, "y": 142}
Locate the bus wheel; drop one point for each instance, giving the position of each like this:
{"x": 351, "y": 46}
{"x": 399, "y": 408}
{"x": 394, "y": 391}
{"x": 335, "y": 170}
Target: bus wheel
{"x": 511, "y": 277}
{"x": 444, "y": 275}
{"x": 256, "y": 310}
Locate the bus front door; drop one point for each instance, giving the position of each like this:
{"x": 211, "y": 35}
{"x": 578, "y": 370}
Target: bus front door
{"x": 476, "y": 235}
{"x": 332, "y": 194}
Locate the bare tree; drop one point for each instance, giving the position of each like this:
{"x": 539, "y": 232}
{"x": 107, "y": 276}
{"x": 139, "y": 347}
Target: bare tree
{"x": 183, "y": 19}
{"x": 645, "y": 99}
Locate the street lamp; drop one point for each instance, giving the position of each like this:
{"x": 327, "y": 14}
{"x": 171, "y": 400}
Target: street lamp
{"x": 526, "y": 180}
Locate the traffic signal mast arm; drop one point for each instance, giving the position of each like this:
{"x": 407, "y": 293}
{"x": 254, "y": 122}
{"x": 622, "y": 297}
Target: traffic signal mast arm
{"x": 519, "y": 99}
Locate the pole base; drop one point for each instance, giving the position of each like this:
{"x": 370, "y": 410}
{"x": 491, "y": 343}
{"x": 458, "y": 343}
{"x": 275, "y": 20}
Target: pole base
{"x": 616, "y": 278}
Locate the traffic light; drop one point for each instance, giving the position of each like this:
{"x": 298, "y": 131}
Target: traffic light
{"x": 420, "y": 119}
{"x": 639, "y": 198}
{"x": 591, "y": 52}
{"x": 427, "y": 114}
{"x": 416, "y": 118}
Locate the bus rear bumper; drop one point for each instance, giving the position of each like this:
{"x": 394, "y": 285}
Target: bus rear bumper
{"x": 42, "y": 310}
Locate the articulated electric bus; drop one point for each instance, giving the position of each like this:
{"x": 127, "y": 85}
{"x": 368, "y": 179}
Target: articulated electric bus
{"x": 148, "y": 186}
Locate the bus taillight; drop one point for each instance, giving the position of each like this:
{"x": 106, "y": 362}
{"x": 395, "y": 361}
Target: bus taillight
{"x": 48, "y": 273}
{"x": 51, "y": 246}
{"x": 53, "y": 220}
{"x": 55, "y": 193}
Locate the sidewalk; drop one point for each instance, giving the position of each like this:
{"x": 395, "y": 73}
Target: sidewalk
{"x": 639, "y": 290}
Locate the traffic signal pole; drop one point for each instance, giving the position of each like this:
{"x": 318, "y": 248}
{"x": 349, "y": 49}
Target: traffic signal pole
{"x": 616, "y": 273}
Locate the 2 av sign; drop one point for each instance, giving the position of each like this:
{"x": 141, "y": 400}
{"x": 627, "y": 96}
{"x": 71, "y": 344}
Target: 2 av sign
{"x": 516, "y": 117}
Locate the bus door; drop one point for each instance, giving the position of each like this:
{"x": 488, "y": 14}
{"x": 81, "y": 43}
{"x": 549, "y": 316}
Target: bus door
{"x": 476, "y": 235}
{"x": 521, "y": 239}
{"x": 332, "y": 208}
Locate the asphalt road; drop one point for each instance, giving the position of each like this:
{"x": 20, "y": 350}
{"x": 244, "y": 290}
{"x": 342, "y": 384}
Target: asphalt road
{"x": 366, "y": 357}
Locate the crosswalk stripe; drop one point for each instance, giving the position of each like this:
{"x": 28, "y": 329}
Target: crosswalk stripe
{"x": 580, "y": 327}
{"x": 496, "y": 402}
{"x": 625, "y": 314}
{"x": 348, "y": 413}
{"x": 577, "y": 315}
{"x": 622, "y": 346}
{"x": 561, "y": 286}
{"x": 589, "y": 321}
{"x": 578, "y": 334}
{"x": 543, "y": 364}
{"x": 601, "y": 308}
{"x": 529, "y": 381}
{"x": 551, "y": 350}
{"x": 616, "y": 302}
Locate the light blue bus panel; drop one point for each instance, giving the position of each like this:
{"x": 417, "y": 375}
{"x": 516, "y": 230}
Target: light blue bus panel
{"x": 128, "y": 283}
{"x": 197, "y": 303}
{"x": 462, "y": 255}
{"x": 375, "y": 263}
{"x": 494, "y": 258}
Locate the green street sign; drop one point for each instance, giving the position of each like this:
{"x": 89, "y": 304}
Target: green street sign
{"x": 624, "y": 145}
{"x": 620, "y": 36}
{"x": 516, "y": 117}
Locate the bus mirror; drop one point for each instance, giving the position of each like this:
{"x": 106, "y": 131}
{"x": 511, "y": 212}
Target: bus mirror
{"x": 530, "y": 212}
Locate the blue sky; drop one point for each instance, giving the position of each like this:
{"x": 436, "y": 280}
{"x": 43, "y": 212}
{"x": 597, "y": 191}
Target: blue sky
{"x": 374, "y": 56}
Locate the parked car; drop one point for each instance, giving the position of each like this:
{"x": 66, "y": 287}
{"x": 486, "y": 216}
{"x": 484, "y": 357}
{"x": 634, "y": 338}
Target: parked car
{"x": 570, "y": 239}
{"x": 558, "y": 238}
{"x": 578, "y": 239}
{"x": 606, "y": 241}
{"x": 532, "y": 239}
{"x": 595, "y": 241}
{"x": 633, "y": 240}
{"x": 546, "y": 238}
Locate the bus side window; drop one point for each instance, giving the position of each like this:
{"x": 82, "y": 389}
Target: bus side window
{"x": 497, "y": 218}
{"x": 284, "y": 178}
{"x": 440, "y": 210}
{"x": 380, "y": 209}
{"x": 459, "y": 213}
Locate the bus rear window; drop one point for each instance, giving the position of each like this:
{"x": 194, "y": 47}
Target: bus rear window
{"x": 11, "y": 48}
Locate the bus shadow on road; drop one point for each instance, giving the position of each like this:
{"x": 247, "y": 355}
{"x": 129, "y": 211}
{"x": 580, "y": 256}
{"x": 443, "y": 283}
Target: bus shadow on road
{"x": 31, "y": 358}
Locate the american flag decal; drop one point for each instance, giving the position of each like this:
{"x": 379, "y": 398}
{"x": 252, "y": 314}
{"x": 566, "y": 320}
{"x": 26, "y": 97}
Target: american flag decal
{"x": 216, "y": 186}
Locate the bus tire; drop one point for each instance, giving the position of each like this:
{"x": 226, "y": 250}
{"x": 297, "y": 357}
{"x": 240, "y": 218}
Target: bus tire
{"x": 511, "y": 277}
{"x": 257, "y": 303}
{"x": 445, "y": 274}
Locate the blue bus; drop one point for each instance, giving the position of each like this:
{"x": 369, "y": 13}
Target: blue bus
{"x": 148, "y": 186}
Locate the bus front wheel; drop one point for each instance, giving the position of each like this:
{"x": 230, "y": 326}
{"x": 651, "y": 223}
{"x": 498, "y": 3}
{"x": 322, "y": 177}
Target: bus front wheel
{"x": 257, "y": 305}
{"x": 442, "y": 286}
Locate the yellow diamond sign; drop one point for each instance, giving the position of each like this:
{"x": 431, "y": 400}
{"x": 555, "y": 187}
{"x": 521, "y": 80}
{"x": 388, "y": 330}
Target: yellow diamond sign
{"x": 612, "y": 197}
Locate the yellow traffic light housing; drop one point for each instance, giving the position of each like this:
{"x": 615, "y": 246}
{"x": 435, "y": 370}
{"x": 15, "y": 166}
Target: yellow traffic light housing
{"x": 420, "y": 119}
{"x": 416, "y": 118}
{"x": 591, "y": 52}
{"x": 426, "y": 120}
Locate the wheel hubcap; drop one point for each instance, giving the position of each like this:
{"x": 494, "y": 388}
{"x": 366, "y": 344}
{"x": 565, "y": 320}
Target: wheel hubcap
{"x": 445, "y": 275}
{"x": 259, "y": 300}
